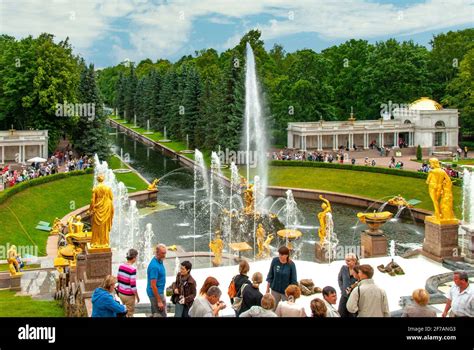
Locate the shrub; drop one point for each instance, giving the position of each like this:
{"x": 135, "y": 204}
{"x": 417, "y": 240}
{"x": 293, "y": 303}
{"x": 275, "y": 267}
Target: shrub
{"x": 370, "y": 169}
{"x": 419, "y": 153}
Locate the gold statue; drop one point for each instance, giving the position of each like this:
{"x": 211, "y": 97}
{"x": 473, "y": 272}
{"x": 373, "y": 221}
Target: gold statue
{"x": 13, "y": 264}
{"x": 326, "y": 206}
{"x": 102, "y": 213}
{"x": 440, "y": 188}
{"x": 243, "y": 182}
{"x": 217, "y": 245}
{"x": 266, "y": 245}
{"x": 172, "y": 248}
{"x": 154, "y": 185}
{"x": 57, "y": 227}
{"x": 399, "y": 201}
{"x": 260, "y": 234}
{"x": 249, "y": 199}
{"x": 75, "y": 225}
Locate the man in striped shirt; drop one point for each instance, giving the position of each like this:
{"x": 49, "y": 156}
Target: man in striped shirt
{"x": 127, "y": 282}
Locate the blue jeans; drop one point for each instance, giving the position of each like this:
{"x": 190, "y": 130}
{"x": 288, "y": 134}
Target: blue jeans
{"x": 154, "y": 307}
{"x": 181, "y": 310}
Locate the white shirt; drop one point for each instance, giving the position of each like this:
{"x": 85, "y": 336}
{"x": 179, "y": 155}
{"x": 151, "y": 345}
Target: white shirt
{"x": 332, "y": 312}
{"x": 201, "y": 308}
{"x": 462, "y": 303}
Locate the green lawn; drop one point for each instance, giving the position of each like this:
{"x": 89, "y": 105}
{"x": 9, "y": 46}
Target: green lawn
{"x": 465, "y": 162}
{"x": 4, "y": 267}
{"x": 468, "y": 161}
{"x": 25, "y": 306}
{"x": 370, "y": 185}
{"x": 176, "y": 146}
{"x": 20, "y": 214}
{"x": 131, "y": 180}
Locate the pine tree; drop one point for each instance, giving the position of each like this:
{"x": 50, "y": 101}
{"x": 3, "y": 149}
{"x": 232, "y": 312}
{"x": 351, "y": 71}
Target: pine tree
{"x": 90, "y": 133}
{"x": 191, "y": 108}
{"x": 130, "y": 90}
{"x": 168, "y": 102}
{"x": 120, "y": 95}
{"x": 140, "y": 102}
{"x": 152, "y": 102}
{"x": 230, "y": 128}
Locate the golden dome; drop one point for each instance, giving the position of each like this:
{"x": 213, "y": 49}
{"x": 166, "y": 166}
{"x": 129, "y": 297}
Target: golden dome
{"x": 425, "y": 104}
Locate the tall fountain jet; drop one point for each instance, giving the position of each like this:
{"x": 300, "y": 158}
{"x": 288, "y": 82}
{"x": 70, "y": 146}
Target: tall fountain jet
{"x": 468, "y": 198}
{"x": 255, "y": 141}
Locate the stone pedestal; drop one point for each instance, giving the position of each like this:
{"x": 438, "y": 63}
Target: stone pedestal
{"x": 5, "y": 281}
{"x": 468, "y": 243}
{"x": 98, "y": 266}
{"x": 441, "y": 240}
{"x": 321, "y": 253}
{"x": 15, "y": 283}
{"x": 373, "y": 246}
{"x": 81, "y": 267}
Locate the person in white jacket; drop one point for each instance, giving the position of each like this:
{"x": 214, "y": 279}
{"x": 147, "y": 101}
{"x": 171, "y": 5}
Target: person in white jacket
{"x": 266, "y": 310}
{"x": 367, "y": 299}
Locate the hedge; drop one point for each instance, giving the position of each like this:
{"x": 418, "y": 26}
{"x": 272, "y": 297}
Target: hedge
{"x": 9, "y": 192}
{"x": 369, "y": 169}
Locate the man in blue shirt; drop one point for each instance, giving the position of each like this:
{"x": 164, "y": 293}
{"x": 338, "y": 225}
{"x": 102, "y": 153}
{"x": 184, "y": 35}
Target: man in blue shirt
{"x": 156, "y": 280}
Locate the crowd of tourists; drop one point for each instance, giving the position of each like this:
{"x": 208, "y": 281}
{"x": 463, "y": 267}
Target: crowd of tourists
{"x": 359, "y": 295}
{"x": 315, "y": 156}
{"x": 60, "y": 161}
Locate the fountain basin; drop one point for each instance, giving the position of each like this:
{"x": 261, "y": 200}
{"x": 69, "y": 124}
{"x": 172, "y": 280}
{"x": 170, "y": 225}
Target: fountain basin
{"x": 375, "y": 220}
{"x": 122, "y": 171}
{"x": 290, "y": 235}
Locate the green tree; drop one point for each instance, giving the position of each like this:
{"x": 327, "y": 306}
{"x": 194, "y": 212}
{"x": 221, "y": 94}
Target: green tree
{"x": 190, "y": 113}
{"x": 460, "y": 93}
{"x": 91, "y": 136}
{"x": 131, "y": 82}
{"x": 396, "y": 72}
{"x": 448, "y": 50}
{"x": 36, "y": 75}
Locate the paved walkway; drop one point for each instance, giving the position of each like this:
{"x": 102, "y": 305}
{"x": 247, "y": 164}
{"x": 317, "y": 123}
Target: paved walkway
{"x": 383, "y": 161}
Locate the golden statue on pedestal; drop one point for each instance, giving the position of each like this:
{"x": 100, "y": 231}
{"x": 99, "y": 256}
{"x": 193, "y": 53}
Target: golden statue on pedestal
{"x": 217, "y": 245}
{"x": 13, "y": 264}
{"x": 249, "y": 199}
{"x": 322, "y": 217}
{"x": 266, "y": 245}
{"x": 75, "y": 225}
{"x": 260, "y": 234}
{"x": 440, "y": 188}
{"x": 154, "y": 185}
{"x": 102, "y": 213}
{"x": 57, "y": 227}
{"x": 76, "y": 239}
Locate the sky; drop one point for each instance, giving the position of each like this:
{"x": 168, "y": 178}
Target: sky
{"x": 107, "y": 32}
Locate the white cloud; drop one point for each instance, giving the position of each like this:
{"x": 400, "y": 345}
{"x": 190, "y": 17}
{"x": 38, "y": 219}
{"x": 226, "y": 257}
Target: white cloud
{"x": 163, "y": 29}
{"x": 83, "y": 21}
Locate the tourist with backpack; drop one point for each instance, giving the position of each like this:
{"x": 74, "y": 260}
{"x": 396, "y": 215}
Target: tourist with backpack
{"x": 238, "y": 281}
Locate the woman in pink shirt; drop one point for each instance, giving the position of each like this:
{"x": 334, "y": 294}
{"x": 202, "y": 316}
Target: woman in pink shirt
{"x": 127, "y": 282}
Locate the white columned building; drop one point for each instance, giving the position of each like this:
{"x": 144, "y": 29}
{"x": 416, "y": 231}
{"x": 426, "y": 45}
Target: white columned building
{"x": 424, "y": 122}
{"x": 17, "y": 146}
